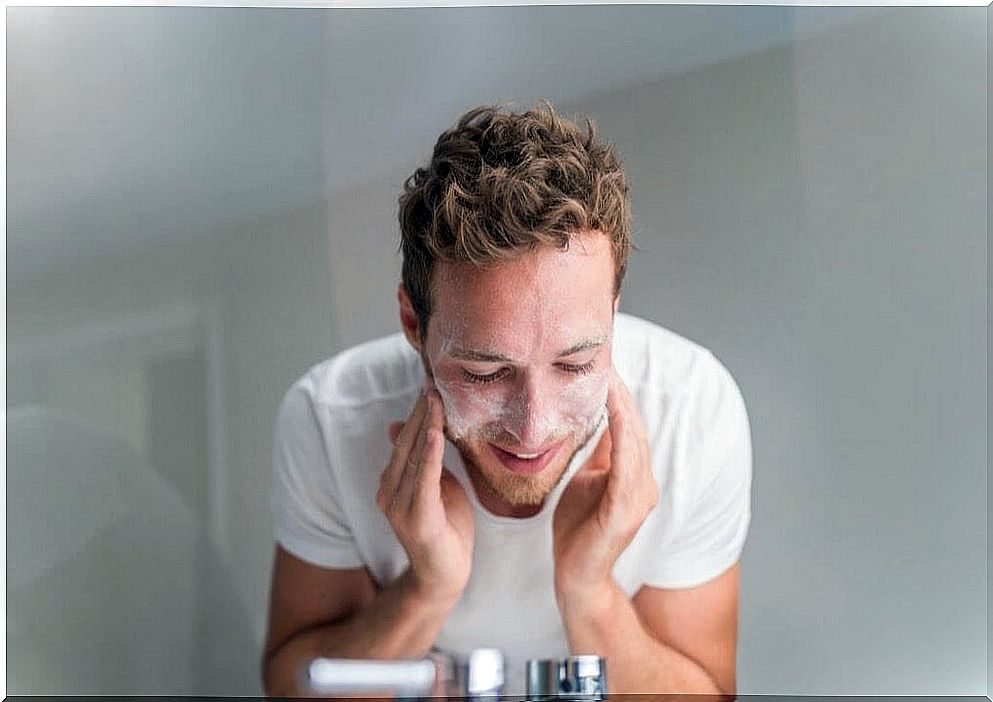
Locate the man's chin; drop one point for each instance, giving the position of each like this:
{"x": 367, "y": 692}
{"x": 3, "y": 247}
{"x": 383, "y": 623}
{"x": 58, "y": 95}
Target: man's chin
{"x": 511, "y": 488}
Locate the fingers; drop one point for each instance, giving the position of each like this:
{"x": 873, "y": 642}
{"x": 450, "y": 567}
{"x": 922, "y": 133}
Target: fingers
{"x": 408, "y": 432}
{"x": 428, "y": 490}
{"x": 627, "y": 451}
{"x": 403, "y": 445}
{"x": 394, "y": 431}
{"x": 412, "y": 466}
{"x": 617, "y": 410}
{"x": 599, "y": 461}
{"x": 632, "y": 479}
{"x": 414, "y": 474}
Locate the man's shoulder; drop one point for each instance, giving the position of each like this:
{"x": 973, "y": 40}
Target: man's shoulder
{"x": 379, "y": 370}
{"x": 652, "y": 359}
{"x": 676, "y": 381}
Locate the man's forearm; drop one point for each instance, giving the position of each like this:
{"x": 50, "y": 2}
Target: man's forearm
{"x": 608, "y": 625}
{"x": 399, "y": 623}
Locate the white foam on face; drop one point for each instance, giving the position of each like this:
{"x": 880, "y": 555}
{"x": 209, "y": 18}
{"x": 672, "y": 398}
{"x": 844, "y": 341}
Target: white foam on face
{"x": 554, "y": 405}
{"x": 470, "y": 412}
{"x": 535, "y": 307}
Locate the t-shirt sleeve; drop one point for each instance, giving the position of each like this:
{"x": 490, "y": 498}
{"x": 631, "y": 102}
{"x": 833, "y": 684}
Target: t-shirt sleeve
{"x": 307, "y": 516}
{"x": 712, "y": 475}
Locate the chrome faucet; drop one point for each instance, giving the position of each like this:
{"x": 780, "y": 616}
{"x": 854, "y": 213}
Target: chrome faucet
{"x": 475, "y": 677}
{"x": 570, "y": 678}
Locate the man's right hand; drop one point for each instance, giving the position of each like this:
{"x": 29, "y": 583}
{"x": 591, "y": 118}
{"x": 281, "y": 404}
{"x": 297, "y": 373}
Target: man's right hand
{"x": 424, "y": 503}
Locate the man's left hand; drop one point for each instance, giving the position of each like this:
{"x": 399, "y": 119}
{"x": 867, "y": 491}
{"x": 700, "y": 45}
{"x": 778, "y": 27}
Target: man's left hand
{"x": 605, "y": 503}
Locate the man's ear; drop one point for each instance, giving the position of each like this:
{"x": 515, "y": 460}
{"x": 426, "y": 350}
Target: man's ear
{"x": 617, "y": 302}
{"x": 408, "y": 318}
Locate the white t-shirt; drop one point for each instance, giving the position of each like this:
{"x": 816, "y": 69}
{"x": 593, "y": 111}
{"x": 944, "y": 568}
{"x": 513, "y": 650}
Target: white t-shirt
{"x": 331, "y": 446}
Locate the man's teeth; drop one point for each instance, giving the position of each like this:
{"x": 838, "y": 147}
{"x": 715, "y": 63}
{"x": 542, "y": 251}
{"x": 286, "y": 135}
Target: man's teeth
{"x": 527, "y": 455}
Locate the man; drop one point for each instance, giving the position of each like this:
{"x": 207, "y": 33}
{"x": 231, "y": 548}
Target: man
{"x": 568, "y": 479}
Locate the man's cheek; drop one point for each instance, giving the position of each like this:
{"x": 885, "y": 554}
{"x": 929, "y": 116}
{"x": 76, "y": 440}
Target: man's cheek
{"x": 466, "y": 410}
{"x": 586, "y": 397}
{"x": 453, "y": 418}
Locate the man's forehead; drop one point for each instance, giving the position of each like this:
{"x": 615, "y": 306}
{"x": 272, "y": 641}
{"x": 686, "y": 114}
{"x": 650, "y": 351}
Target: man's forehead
{"x": 462, "y": 288}
{"x": 516, "y": 337}
{"x": 545, "y": 300}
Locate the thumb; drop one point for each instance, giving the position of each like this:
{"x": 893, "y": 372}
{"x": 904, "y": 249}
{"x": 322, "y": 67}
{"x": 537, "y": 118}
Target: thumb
{"x": 453, "y": 495}
{"x": 395, "y": 429}
{"x": 599, "y": 461}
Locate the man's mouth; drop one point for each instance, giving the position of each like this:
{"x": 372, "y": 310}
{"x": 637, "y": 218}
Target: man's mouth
{"x": 526, "y": 462}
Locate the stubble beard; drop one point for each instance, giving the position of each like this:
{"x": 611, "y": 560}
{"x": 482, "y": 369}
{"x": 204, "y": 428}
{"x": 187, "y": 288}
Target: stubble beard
{"x": 515, "y": 489}
{"x": 525, "y": 491}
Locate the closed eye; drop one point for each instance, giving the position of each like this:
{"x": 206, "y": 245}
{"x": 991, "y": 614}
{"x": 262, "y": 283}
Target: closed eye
{"x": 483, "y": 379}
{"x": 583, "y": 369}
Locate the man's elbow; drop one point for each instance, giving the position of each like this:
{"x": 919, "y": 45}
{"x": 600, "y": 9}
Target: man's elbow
{"x": 269, "y": 687}
{"x": 726, "y": 688}
{"x": 276, "y": 682}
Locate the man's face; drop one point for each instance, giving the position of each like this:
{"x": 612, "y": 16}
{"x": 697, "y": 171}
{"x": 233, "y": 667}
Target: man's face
{"x": 520, "y": 354}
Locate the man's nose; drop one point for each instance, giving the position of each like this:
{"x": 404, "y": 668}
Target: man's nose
{"x": 529, "y": 420}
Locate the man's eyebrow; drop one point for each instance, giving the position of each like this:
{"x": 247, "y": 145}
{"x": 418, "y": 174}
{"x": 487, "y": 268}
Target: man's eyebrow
{"x": 488, "y": 357}
{"x": 482, "y": 356}
{"x": 584, "y": 346}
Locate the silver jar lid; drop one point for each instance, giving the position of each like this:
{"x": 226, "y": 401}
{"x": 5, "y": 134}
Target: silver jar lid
{"x": 572, "y": 677}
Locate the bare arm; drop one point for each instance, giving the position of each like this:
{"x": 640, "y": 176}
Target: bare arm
{"x": 662, "y": 641}
{"x": 341, "y": 614}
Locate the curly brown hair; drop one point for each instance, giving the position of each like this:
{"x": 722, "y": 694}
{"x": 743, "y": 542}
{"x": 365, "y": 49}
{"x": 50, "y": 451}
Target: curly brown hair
{"x": 500, "y": 184}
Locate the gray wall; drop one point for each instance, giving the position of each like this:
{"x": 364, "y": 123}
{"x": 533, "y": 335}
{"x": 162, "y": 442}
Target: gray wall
{"x": 117, "y": 351}
{"x": 815, "y": 217}
{"x": 814, "y": 214}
